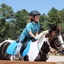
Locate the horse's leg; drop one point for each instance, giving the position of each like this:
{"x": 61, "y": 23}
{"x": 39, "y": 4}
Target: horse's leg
{"x": 26, "y": 58}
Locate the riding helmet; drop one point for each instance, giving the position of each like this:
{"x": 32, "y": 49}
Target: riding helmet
{"x": 33, "y": 13}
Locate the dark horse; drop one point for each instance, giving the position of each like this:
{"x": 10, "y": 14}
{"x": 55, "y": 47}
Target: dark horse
{"x": 39, "y": 49}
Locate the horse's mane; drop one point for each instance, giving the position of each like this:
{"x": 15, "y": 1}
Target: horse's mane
{"x": 41, "y": 38}
{"x": 43, "y": 33}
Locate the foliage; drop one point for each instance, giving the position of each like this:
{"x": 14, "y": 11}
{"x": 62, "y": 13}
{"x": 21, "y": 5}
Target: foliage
{"x": 12, "y": 24}
{"x": 21, "y": 20}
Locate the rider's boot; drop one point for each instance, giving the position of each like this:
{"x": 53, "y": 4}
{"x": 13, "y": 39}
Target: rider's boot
{"x": 23, "y": 47}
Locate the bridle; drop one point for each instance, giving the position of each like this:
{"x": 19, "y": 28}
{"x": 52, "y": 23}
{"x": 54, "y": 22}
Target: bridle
{"x": 57, "y": 46}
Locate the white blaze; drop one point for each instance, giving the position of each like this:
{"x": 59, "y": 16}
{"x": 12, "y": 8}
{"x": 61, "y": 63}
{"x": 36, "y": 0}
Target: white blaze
{"x": 60, "y": 38}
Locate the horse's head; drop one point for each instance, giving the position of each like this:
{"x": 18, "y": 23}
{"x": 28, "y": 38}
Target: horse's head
{"x": 55, "y": 39}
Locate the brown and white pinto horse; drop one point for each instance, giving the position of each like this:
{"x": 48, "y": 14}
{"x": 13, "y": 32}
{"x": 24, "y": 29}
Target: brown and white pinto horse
{"x": 39, "y": 49}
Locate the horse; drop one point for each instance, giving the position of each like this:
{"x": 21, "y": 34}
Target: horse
{"x": 56, "y": 42}
{"x": 37, "y": 50}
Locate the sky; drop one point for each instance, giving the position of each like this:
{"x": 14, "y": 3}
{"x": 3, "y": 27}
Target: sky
{"x": 43, "y": 6}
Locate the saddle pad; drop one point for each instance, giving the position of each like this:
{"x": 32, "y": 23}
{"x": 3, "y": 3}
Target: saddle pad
{"x": 25, "y": 52}
{"x": 12, "y": 48}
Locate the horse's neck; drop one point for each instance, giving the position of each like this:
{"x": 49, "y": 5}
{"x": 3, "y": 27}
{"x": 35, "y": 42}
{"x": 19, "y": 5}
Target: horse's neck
{"x": 42, "y": 38}
{"x": 43, "y": 33}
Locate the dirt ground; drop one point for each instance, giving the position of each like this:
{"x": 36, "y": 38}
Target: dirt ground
{"x": 55, "y": 57}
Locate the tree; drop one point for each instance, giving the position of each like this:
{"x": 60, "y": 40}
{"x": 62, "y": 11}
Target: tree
{"x": 21, "y": 20}
{"x": 54, "y": 17}
{"x": 61, "y": 13}
{"x": 43, "y": 22}
{"x": 2, "y": 29}
{"x": 6, "y": 14}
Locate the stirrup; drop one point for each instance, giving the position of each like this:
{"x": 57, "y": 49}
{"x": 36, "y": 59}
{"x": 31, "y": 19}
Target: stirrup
{"x": 18, "y": 57}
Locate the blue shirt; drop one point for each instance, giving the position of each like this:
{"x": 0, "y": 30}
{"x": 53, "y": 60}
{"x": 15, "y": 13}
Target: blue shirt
{"x": 31, "y": 26}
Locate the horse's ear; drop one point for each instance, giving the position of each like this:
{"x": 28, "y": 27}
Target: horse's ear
{"x": 54, "y": 28}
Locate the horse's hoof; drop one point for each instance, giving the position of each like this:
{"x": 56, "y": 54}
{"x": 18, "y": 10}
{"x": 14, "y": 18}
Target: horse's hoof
{"x": 21, "y": 59}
